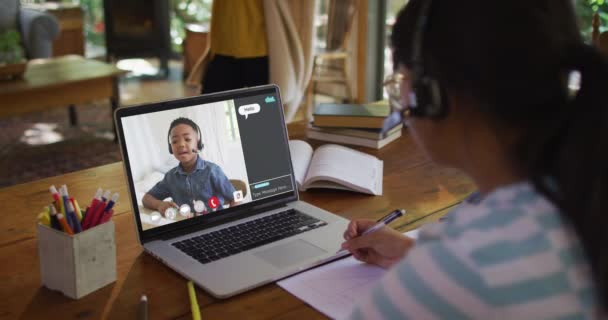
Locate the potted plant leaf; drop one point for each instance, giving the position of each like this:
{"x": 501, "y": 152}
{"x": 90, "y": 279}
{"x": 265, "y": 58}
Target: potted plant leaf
{"x": 12, "y": 61}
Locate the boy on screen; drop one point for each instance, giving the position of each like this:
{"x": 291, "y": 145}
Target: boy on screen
{"x": 193, "y": 179}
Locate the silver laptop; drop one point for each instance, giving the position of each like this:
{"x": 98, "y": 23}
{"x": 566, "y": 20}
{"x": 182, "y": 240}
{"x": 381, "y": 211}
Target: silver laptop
{"x": 233, "y": 219}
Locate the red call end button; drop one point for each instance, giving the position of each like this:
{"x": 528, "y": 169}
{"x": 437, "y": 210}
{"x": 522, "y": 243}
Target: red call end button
{"x": 213, "y": 202}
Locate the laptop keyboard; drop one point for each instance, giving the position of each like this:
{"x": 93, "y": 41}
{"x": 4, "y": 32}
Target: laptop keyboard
{"x": 232, "y": 240}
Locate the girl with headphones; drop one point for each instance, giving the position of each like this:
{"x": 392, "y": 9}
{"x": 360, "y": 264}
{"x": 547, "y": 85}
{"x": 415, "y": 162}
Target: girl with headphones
{"x": 193, "y": 180}
{"x": 508, "y": 93}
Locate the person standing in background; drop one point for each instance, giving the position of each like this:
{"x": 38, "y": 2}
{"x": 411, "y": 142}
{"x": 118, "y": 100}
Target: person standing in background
{"x": 285, "y": 35}
{"x": 239, "y": 49}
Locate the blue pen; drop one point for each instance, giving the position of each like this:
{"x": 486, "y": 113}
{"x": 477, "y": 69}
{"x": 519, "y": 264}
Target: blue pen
{"x": 381, "y": 223}
{"x": 111, "y": 203}
{"x": 71, "y": 212}
{"x": 105, "y": 196}
{"x": 63, "y": 191}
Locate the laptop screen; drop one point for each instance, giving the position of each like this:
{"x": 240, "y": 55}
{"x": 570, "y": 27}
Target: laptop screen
{"x": 198, "y": 159}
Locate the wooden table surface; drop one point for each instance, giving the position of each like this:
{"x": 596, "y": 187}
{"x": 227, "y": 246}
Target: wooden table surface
{"x": 410, "y": 181}
{"x": 58, "y": 82}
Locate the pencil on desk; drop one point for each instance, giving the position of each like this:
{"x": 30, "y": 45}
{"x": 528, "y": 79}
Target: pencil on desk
{"x": 196, "y": 313}
{"x": 143, "y": 307}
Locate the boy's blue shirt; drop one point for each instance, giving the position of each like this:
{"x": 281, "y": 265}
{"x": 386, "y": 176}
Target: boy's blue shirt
{"x": 205, "y": 181}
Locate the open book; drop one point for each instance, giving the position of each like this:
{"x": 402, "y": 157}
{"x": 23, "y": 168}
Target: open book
{"x": 336, "y": 167}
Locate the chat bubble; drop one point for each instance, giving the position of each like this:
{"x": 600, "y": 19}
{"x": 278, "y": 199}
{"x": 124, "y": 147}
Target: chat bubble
{"x": 248, "y": 109}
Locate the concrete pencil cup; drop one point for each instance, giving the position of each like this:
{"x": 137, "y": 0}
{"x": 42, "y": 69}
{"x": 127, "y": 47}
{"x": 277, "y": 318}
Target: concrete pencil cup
{"x": 78, "y": 264}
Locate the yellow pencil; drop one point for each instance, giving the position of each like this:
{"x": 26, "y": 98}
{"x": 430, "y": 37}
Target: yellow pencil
{"x": 76, "y": 208}
{"x": 196, "y": 313}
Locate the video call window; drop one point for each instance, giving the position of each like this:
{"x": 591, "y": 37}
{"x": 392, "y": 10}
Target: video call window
{"x": 157, "y": 155}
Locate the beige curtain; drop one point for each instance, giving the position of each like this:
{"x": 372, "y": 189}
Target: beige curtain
{"x": 290, "y": 29}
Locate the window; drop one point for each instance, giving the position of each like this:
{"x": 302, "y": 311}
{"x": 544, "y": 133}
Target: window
{"x": 584, "y": 12}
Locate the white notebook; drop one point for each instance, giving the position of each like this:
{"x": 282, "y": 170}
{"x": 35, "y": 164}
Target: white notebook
{"x": 334, "y": 288}
{"x": 337, "y": 167}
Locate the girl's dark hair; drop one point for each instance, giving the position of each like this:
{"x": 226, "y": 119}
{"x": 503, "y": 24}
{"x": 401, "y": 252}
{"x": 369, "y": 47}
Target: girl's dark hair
{"x": 513, "y": 58}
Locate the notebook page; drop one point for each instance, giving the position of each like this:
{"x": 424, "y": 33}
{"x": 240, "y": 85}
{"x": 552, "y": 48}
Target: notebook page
{"x": 346, "y": 166}
{"x": 301, "y": 153}
{"x": 334, "y": 288}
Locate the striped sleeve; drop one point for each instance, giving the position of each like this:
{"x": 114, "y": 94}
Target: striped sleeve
{"x": 508, "y": 257}
{"x": 456, "y": 279}
{"x": 431, "y": 283}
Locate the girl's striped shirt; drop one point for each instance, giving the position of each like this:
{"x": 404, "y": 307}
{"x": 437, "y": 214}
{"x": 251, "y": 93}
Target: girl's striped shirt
{"x": 510, "y": 256}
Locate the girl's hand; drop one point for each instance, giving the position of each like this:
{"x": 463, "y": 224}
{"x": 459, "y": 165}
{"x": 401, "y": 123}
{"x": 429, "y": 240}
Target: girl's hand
{"x": 384, "y": 247}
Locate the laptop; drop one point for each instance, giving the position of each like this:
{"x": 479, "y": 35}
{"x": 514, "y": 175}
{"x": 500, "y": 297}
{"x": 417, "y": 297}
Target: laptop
{"x": 235, "y": 220}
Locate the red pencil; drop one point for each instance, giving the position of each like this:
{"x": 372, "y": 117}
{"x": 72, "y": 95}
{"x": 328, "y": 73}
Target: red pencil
{"x": 106, "y": 216}
{"x": 91, "y": 214}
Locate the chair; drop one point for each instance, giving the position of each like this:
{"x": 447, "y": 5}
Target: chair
{"x": 330, "y": 65}
{"x": 38, "y": 29}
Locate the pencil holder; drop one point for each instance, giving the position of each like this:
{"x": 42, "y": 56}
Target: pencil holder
{"x": 77, "y": 264}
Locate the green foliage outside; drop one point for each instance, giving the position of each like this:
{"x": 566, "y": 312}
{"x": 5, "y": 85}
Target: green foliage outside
{"x": 182, "y": 12}
{"x": 585, "y": 10}
{"x": 10, "y": 48}
{"x": 93, "y": 21}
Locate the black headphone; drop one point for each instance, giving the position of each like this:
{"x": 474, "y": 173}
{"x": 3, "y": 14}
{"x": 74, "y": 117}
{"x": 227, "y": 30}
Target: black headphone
{"x": 428, "y": 99}
{"x": 182, "y": 120}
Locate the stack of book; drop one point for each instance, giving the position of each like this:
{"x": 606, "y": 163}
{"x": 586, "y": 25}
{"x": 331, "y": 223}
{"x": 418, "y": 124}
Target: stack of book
{"x": 369, "y": 125}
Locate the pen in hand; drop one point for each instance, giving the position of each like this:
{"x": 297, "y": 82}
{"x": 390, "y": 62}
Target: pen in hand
{"x": 381, "y": 223}
{"x": 384, "y": 221}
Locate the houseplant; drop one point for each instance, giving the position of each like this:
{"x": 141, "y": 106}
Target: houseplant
{"x": 12, "y": 62}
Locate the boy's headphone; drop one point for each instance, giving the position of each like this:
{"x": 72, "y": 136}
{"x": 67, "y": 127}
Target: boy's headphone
{"x": 199, "y": 144}
{"x": 429, "y": 99}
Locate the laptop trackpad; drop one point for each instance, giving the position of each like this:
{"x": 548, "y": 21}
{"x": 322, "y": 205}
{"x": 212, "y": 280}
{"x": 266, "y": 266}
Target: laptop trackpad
{"x": 290, "y": 253}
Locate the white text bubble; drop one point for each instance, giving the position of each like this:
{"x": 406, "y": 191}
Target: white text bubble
{"x": 248, "y": 109}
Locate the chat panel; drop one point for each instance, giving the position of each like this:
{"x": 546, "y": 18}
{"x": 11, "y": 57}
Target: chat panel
{"x": 264, "y": 146}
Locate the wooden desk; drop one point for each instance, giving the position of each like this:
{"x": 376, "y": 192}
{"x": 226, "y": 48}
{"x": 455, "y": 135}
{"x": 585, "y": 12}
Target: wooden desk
{"x": 410, "y": 181}
{"x": 60, "y": 82}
